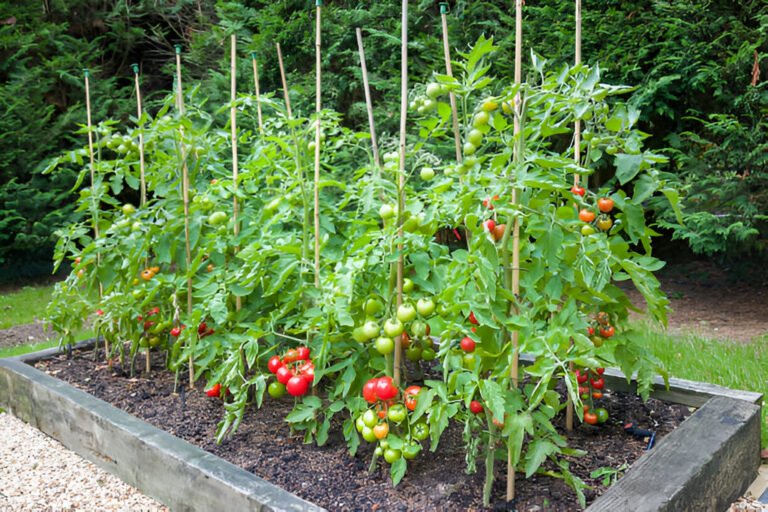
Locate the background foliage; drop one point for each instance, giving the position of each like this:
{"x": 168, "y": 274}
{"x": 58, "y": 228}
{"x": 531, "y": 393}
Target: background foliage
{"x": 700, "y": 68}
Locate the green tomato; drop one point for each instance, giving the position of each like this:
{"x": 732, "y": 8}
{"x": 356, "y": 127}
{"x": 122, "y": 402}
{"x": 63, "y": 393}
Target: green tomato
{"x": 429, "y": 105}
{"x": 359, "y": 335}
{"x": 425, "y": 307}
{"x": 128, "y": 209}
{"x": 413, "y": 352}
{"x": 407, "y": 285}
{"x": 373, "y": 306}
{"x": 587, "y": 230}
{"x": 368, "y": 434}
{"x": 406, "y": 312}
{"x": 420, "y": 431}
{"x": 435, "y": 90}
{"x": 427, "y": 173}
{"x": 469, "y": 148}
{"x": 386, "y": 211}
{"x": 397, "y": 413}
{"x": 391, "y": 455}
{"x": 359, "y": 424}
{"x": 469, "y": 360}
{"x": 411, "y": 451}
{"x": 418, "y": 329}
{"x": 475, "y": 137}
{"x": 428, "y": 354}
{"x": 393, "y": 327}
{"x": 379, "y": 451}
{"x": 602, "y": 414}
{"x": 384, "y": 345}
{"x": 481, "y": 119}
{"x": 370, "y": 329}
{"x": 217, "y": 218}
{"x": 277, "y": 390}
{"x": 369, "y": 418}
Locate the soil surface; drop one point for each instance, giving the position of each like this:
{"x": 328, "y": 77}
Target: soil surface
{"x": 330, "y": 477}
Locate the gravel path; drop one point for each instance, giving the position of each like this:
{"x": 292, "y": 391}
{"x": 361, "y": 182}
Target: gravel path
{"x": 45, "y": 476}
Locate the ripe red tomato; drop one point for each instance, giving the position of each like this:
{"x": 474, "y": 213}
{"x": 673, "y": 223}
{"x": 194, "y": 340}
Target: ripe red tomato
{"x": 386, "y": 389}
{"x": 599, "y": 371}
{"x": 100, "y": 312}
{"x": 475, "y": 407}
{"x": 598, "y": 383}
{"x": 603, "y": 318}
{"x": 597, "y": 395}
{"x": 498, "y": 232}
{"x": 297, "y": 386}
{"x": 468, "y": 344}
{"x": 202, "y": 328}
{"x": 605, "y": 204}
{"x": 607, "y": 331}
{"x": 590, "y": 417}
{"x": 472, "y": 318}
{"x": 283, "y": 374}
{"x": 274, "y": 364}
{"x": 586, "y": 215}
{"x": 175, "y": 332}
{"x": 410, "y": 393}
{"x": 291, "y": 356}
{"x": 369, "y": 391}
{"x": 579, "y": 191}
{"x": 590, "y": 331}
{"x": 302, "y": 353}
{"x": 214, "y": 392}
{"x": 581, "y": 378}
{"x": 489, "y": 225}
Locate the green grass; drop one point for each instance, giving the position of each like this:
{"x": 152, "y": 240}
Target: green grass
{"x": 26, "y": 349}
{"x": 24, "y": 306}
{"x": 731, "y": 364}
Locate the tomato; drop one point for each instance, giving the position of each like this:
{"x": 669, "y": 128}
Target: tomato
{"x": 379, "y": 451}
{"x": 586, "y": 215}
{"x": 597, "y": 341}
{"x": 480, "y": 119}
{"x": 475, "y": 407}
{"x": 598, "y": 383}
{"x": 384, "y": 345}
{"x": 397, "y": 413}
{"x": 386, "y": 211}
{"x": 604, "y": 223}
{"x": 420, "y": 431}
{"x": 386, "y": 389}
{"x": 498, "y": 232}
{"x": 427, "y": 173}
{"x": 100, "y": 312}
{"x": 590, "y": 417}
{"x": 413, "y": 353}
{"x": 302, "y": 353}
{"x": 274, "y": 364}
{"x": 129, "y": 209}
{"x": 599, "y": 371}
{"x": 297, "y": 386}
{"x": 368, "y": 434}
{"x": 203, "y": 327}
{"x": 217, "y": 218}
{"x": 472, "y": 318}
{"x": 369, "y": 418}
{"x": 435, "y": 90}
{"x": 410, "y": 394}
{"x": 488, "y": 202}
{"x": 308, "y": 374}
{"x": 373, "y": 306}
{"x": 425, "y": 307}
{"x": 602, "y": 415}
{"x": 489, "y": 105}
{"x": 581, "y": 378}
{"x": 468, "y": 148}
{"x": 497, "y": 423}
{"x": 147, "y": 274}
{"x": 475, "y": 137}
{"x": 370, "y": 330}
{"x": 468, "y": 344}
{"x": 291, "y": 356}
{"x": 406, "y": 312}
{"x": 393, "y": 327}
{"x": 603, "y": 318}
{"x": 369, "y": 391}
{"x": 154, "y": 341}
{"x": 418, "y": 329}
{"x": 210, "y": 267}
{"x": 578, "y": 191}
{"x": 587, "y": 230}
{"x": 381, "y": 430}
{"x": 411, "y": 451}
{"x": 78, "y": 259}
{"x": 405, "y": 341}
{"x": 590, "y": 331}
{"x": 469, "y": 360}
{"x": 607, "y": 331}
{"x": 605, "y": 204}
{"x": 176, "y": 331}
{"x": 428, "y": 354}
{"x": 283, "y": 374}
{"x": 391, "y": 455}
{"x": 597, "y": 395}
{"x": 583, "y": 389}
{"x": 407, "y": 285}
{"x": 276, "y": 390}
{"x": 214, "y": 392}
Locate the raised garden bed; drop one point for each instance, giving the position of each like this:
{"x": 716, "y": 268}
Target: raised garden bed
{"x": 703, "y": 465}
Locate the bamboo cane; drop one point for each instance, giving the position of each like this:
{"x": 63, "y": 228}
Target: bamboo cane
{"x": 94, "y": 205}
{"x": 318, "y": 107}
{"x": 139, "y": 112}
{"x": 285, "y": 83}
{"x": 185, "y": 198}
{"x": 401, "y": 180}
{"x": 516, "y": 228}
{"x": 577, "y": 158}
{"x": 449, "y": 72}
{"x": 368, "y": 102}
{"x": 233, "y": 128}
{"x": 258, "y": 93}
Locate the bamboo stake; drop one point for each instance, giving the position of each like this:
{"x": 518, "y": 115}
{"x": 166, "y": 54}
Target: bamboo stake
{"x": 368, "y": 102}
{"x": 401, "y": 180}
{"x": 516, "y": 227}
{"x": 233, "y": 128}
{"x": 139, "y": 112}
{"x": 449, "y": 72}
{"x": 318, "y": 108}
{"x": 94, "y": 205}
{"x": 185, "y": 198}
{"x": 258, "y": 94}
{"x": 285, "y": 83}
{"x": 576, "y": 177}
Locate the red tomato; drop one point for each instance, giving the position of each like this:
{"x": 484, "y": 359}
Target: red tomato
{"x": 291, "y": 356}
{"x": 274, "y": 364}
{"x": 468, "y": 344}
{"x": 581, "y": 378}
{"x": 283, "y": 374}
{"x": 489, "y": 225}
{"x": 297, "y": 386}
{"x": 410, "y": 393}
{"x": 586, "y": 215}
{"x": 386, "y": 389}
{"x": 605, "y": 204}
{"x": 302, "y": 353}
{"x": 599, "y": 371}
{"x": 577, "y": 190}
{"x": 214, "y": 392}
{"x": 472, "y": 318}
{"x": 475, "y": 407}
{"x": 607, "y": 332}
{"x": 590, "y": 417}
{"x": 369, "y": 391}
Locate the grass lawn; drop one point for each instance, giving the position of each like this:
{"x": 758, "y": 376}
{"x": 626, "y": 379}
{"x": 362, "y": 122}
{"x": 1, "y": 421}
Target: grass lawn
{"x": 727, "y": 363}
{"x": 24, "y": 306}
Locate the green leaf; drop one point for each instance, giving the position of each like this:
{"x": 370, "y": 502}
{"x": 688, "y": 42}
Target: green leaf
{"x": 398, "y": 469}
{"x": 627, "y": 167}
{"x": 538, "y": 451}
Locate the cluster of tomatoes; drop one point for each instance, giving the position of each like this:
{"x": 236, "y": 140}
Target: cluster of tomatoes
{"x": 376, "y": 422}
{"x": 152, "y": 328}
{"x": 591, "y": 385}
{"x": 490, "y": 226}
{"x": 592, "y": 220}
{"x": 294, "y": 371}
{"x": 601, "y": 329}
{"x": 148, "y": 273}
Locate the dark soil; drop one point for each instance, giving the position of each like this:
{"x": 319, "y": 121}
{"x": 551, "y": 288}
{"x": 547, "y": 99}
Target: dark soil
{"x": 330, "y": 477}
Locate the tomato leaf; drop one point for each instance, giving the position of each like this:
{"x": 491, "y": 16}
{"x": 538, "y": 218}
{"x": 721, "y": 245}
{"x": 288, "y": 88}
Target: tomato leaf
{"x": 398, "y": 469}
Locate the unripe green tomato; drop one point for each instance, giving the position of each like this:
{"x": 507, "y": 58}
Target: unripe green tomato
{"x": 469, "y": 148}
{"x": 428, "y": 354}
{"x": 587, "y": 230}
{"x": 391, "y": 455}
{"x": 128, "y": 209}
{"x": 425, "y": 307}
{"x": 358, "y": 335}
{"x": 406, "y": 312}
{"x": 475, "y": 136}
{"x": 427, "y": 173}
{"x": 411, "y": 451}
{"x": 386, "y": 211}
{"x": 418, "y": 329}
{"x": 429, "y": 105}
{"x": 359, "y": 424}
{"x": 373, "y": 306}
{"x": 393, "y": 327}
{"x": 370, "y": 329}
{"x": 379, "y": 451}
{"x": 368, "y": 434}
{"x": 481, "y": 119}
{"x": 413, "y": 353}
{"x": 469, "y": 360}
{"x": 369, "y": 418}
{"x": 435, "y": 90}
{"x": 277, "y": 390}
{"x": 407, "y": 285}
{"x": 397, "y": 413}
{"x": 384, "y": 345}
{"x": 217, "y": 218}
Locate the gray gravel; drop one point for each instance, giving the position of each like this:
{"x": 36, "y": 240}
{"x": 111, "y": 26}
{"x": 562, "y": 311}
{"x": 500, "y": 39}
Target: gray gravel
{"x": 38, "y": 474}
